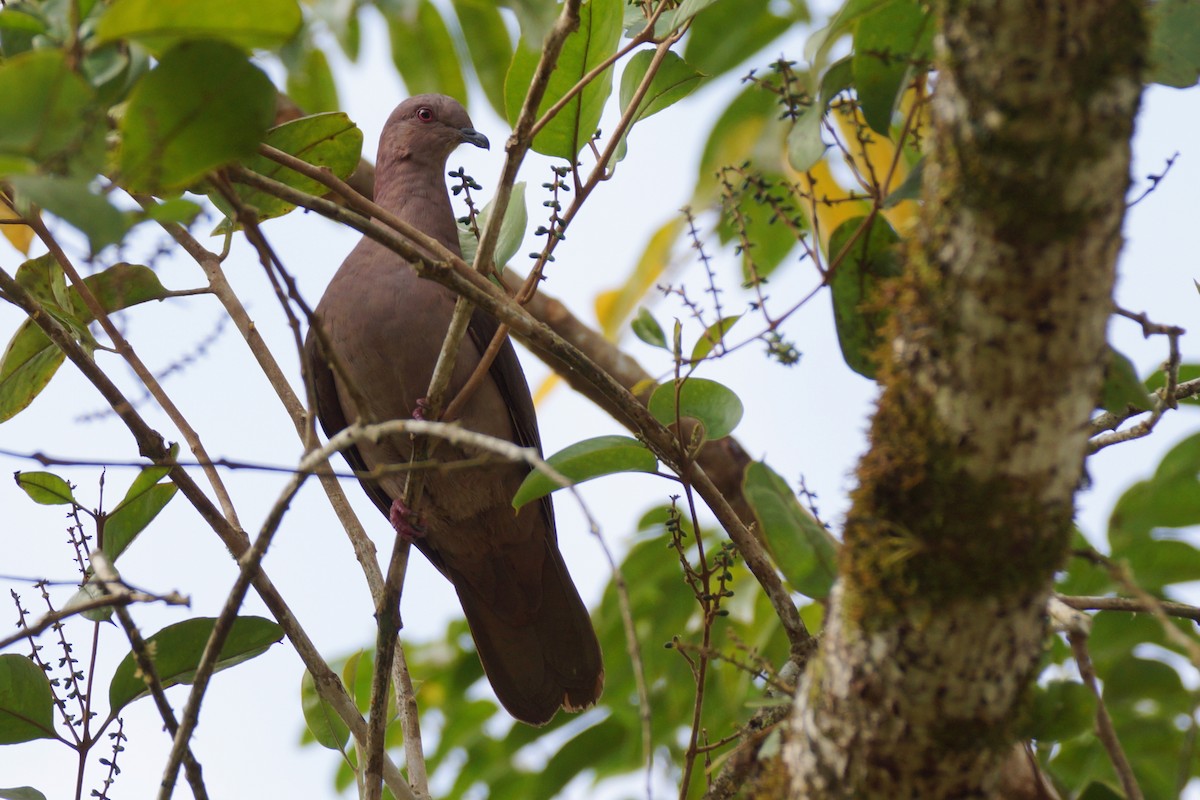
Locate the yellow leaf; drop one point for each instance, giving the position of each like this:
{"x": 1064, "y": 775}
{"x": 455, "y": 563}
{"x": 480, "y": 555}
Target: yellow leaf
{"x": 614, "y": 306}
{"x": 19, "y": 236}
{"x": 546, "y": 387}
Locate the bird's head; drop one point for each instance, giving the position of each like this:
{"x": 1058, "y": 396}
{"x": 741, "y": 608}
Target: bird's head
{"x": 427, "y": 126}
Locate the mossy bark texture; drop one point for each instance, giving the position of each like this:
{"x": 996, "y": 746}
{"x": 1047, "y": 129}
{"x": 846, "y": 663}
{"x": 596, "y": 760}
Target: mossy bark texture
{"x": 996, "y": 357}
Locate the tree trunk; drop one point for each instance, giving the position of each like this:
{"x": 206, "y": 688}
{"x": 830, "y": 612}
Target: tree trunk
{"x": 997, "y": 353}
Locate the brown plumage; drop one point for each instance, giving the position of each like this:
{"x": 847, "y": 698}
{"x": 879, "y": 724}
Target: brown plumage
{"x": 531, "y": 629}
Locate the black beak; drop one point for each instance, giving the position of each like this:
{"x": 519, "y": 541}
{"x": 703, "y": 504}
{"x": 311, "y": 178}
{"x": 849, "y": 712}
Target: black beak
{"x": 475, "y": 137}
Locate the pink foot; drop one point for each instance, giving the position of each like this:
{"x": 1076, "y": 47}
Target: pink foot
{"x": 422, "y": 408}
{"x": 405, "y": 522}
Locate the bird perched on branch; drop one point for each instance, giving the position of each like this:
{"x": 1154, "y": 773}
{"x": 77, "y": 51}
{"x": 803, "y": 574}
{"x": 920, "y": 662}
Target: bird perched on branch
{"x": 385, "y": 326}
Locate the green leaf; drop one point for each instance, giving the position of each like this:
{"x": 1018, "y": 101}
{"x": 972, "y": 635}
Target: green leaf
{"x": 145, "y": 498}
{"x": 887, "y": 42}
{"x": 21, "y": 18}
{"x": 72, "y": 200}
{"x": 820, "y": 43}
{"x": 716, "y": 407}
{"x": 489, "y": 44}
{"x": 29, "y": 363}
{"x": 646, "y": 328}
{"x": 203, "y": 106}
{"x": 674, "y": 81}
{"x": 512, "y": 229}
{"x": 45, "y": 488}
{"x": 325, "y": 140}
{"x": 747, "y": 129}
{"x": 805, "y": 147}
{"x": 909, "y": 188}
{"x": 310, "y": 82}
{"x": 729, "y": 31}
{"x": 177, "y": 209}
{"x": 1122, "y": 387}
{"x": 712, "y": 336}
{"x": 1175, "y": 43}
{"x": 865, "y": 262}
{"x": 1187, "y": 372}
{"x": 1100, "y": 791}
{"x": 119, "y": 287}
{"x": 804, "y": 551}
{"x": 1061, "y": 710}
{"x": 139, "y": 508}
{"x": 323, "y": 723}
{"x": 31, "y": 359}
{"x": 423, "y": 51}
{"x": 686, "y": 10}
{"x": 26, "y": 701}
{"x": 21, "y": 793}
{"x": 595, "y": 40}
{"x": 161, "y": 24}
{"x": 1142, "y": 516}
{"x": 177, "y": 649}
{"x": 583, "y": 461}
{"x": 89, "y": 592}
{"x": 47, "y": 112}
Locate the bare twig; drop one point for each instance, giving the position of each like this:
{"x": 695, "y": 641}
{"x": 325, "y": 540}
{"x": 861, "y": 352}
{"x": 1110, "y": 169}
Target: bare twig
{"x": 151, "y": 445}
{"x": 126, "y": 352}
{"x": 105, "y": 575}
{"x": 1104, "y": 725}
{"x": 1134, "y": 605}
{"x": 121, "y": 596}
{"x": 579, "y": 370}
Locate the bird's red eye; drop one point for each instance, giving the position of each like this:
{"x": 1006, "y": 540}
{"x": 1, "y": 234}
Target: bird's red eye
{"x": 425, "y": 114}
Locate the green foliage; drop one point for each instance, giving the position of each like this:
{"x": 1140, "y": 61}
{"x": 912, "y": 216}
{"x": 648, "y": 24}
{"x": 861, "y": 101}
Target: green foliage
{"x": 888, "y": 43}
{"x": 162, "y": 24}
{"x": 176, "y": 651}
{"x": 204, "y": 105}
{"x": 583, "y": 461}
{"x": 673, "y": 81}
{"x": 26, "y": 702}
{"x": 1175, "y": 42}
{"x": 31, "y": 359}
{"x": 324, "y": 725}
{"x": 471, "y": 750}
{"x": 714, "y": 406}
{"x": 567, "y": 133}
{"x": 863, "y": 254}
{"x": 803, "y": 549}
{"x": 423, "y": 51}
{"x": 45, "y": 488}
{"x": 1122, "y": 387}
{"x": 143, "y": 501}
{"x": 324, "y": 140}
{"x": 46, "y": 118}
{"x": 512, "y": 229}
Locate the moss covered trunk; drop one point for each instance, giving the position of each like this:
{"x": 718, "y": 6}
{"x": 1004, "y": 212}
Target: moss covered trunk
{"x": 997, "y": 354}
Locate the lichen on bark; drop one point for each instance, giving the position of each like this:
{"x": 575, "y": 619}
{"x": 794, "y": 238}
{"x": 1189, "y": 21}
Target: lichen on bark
{"x": 995, "y": 356}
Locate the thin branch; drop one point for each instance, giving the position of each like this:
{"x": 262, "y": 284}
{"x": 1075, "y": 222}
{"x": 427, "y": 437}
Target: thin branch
{"x": 126, "y": 351}
{"x": 364, "y": 548}
{"x": 122, "y": 596}
{"x": 1131, "y": 604}
{"x": 104, "y": 576}
{"x": 579, "y": 369}
{"x": 150, "y": 444}
{"x": 1104, "y": 725}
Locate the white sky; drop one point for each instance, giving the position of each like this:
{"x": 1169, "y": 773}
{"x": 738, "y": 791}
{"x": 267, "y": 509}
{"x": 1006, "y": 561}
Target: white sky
{"x": 808, "y": 420}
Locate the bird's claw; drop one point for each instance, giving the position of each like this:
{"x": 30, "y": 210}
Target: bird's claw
{"x": 405, "y": 521}
{"x": 422, "y": 409}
